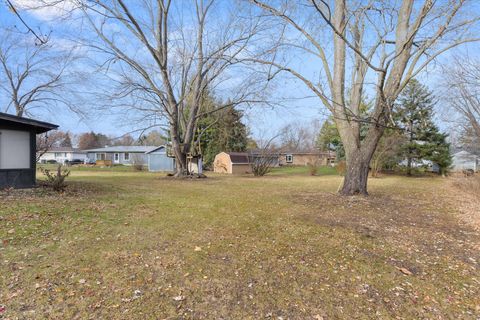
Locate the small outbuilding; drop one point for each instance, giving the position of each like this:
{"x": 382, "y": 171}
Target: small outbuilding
{"x": 158, "y": 160}
{"x": 232, "y": 163}
{"x": 18, "y": 150}
{"x": 465, "y": 160}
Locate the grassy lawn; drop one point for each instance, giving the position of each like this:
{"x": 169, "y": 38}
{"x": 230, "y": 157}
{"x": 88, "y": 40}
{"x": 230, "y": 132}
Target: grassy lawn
{"x": 302, "y": 170}
{"x": 137, "y": 245}
{"x": 115, "y": 168}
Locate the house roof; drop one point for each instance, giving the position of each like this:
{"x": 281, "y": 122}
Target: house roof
{"x": 156, "y": 149}
{"x": 128, "y": 149}
{"x": 65, "y": 149}
{"x": 38, "y": 126}
{"x": 463, "y": 152}
{"x": 465, "y": 155}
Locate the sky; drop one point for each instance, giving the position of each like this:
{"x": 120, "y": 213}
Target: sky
{"x": 297, "y": 103}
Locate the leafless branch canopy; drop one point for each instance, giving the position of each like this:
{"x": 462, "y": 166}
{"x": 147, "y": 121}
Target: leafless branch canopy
{"x": 166, "y": 56}
{"x": 463, "y": 91}
{"x": 359, "y": 48}
{"x": 33, "y": 76}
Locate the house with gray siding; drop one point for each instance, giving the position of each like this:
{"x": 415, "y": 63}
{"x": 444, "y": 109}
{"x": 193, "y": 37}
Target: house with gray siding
{"x": 158, "y": 160}
{"x": 464, "y": 160}
{"x": 126, "y": 155}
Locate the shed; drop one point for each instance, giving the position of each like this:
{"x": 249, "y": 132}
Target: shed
{"x": 465, "y": 160}
{"x": 158, "y": 160}
{"x": 232, "y": 163}
{"x": 18, "y": 150}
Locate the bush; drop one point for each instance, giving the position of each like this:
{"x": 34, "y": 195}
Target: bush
{"x": 138, "y": 167}
{"x": 262, "y": 164}
{"x": 56, "y": 180}
{"x": 313, "y": 168}
{"x": 341, "y": 168}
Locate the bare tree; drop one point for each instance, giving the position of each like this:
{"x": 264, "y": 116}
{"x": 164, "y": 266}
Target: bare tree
{"x": 387, "y": 150}
{"x": 299, "y": 137}
{"x": 164, "y": 56}
{"x": 463, "y": 91}
{"x": 42, "y": 39}
{"x": 265, "y": 157}
{"x": 383, "y": 44}
{"x": 33, "y": 75}
{"x": 47, "y": 141}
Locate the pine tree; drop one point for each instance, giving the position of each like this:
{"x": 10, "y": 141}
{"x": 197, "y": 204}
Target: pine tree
{"x": 415, "y": 117}
{"x": 222, "y": 131}
{"x": 439, "y": 150}
{"x": 329, "y": 139}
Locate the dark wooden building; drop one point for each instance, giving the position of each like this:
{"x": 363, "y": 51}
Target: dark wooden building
{"x": 18, "y": 150}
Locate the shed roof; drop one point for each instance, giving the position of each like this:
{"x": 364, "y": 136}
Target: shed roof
{"x": 38, "y": 126}
{"x": 239, "y": 157}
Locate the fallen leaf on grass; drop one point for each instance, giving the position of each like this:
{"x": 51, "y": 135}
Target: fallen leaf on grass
{"x": 405, "y": 271}
{"x": 198, "y": 249}
{"x": 179, "y": 298}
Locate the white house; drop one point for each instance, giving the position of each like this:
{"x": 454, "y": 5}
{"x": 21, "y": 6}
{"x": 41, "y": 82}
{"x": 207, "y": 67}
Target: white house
{"x": 465, "y": 160}
{"x": 62, "y": 155}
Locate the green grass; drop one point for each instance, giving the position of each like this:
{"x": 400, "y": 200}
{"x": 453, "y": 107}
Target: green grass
{"x": 115, "y": 168}
{"x": 302, "y": 170}
{"x": 137, "y": 245}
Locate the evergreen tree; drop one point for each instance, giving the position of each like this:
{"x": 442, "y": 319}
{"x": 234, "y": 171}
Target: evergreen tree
{"x": 439, "y": 150}
{"x": 415, "y": 117}
{"x": 222, "y": 131}
{"x": 329, "y": 139}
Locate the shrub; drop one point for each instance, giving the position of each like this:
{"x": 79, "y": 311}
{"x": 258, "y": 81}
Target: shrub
{"x": 262, "y": 164}
{"x": 313, "y": 168}
{"x": 341, "y": 168}
{"x": 56, "y": 180}
{"x": 138, "y": 167}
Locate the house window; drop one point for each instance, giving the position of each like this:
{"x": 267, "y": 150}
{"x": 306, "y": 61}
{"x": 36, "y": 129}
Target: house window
{"x": 289, "y": 158}
{"x": 58, "y": 154}
{"x": 126, "y": 156}
{"x": 116, "y": 156}
{"x": 100, "y": 156}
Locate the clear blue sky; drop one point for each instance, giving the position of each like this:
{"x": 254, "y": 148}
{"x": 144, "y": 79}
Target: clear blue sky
{"x": 298, "y": 103}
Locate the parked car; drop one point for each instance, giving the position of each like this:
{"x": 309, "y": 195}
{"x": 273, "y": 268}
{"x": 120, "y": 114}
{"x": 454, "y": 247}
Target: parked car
{"x": 50, "y": 161}
{"x": 90, "y": 161}
{"x": 73, "y": 162}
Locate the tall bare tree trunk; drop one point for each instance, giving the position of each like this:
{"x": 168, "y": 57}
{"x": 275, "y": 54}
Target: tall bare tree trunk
{"x": 358, "y": 163}
{"x": 356, "y": 177}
